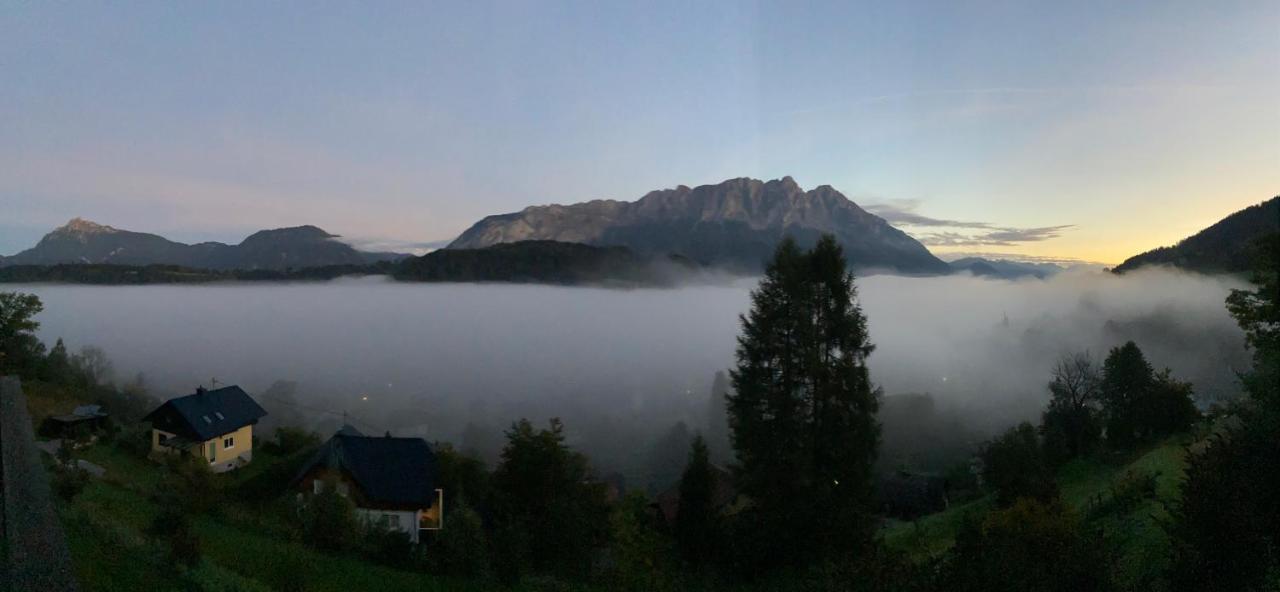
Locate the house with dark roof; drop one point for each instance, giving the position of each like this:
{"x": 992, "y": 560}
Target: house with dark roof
{"x": 393, "y": 482}
{"x": 215, "y": 425}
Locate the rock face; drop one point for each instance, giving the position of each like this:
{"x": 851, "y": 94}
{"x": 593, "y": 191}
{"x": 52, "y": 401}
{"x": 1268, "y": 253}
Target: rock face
{"x": 734, "y": 224}
{"x": 1226, "y": 246}
{"x": 82, "y": 241}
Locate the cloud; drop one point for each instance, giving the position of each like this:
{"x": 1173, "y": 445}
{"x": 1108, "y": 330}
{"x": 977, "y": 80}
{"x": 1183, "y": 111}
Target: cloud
{"x": 902, "y": 212}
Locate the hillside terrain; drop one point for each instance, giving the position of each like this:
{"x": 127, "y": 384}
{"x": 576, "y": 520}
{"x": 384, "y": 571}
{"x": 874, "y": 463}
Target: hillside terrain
{"x": 84, "y": 242}
{"x": 734, "y": 224}
{"x": 1227, "y": 246}
{"x": 542, "y": 261}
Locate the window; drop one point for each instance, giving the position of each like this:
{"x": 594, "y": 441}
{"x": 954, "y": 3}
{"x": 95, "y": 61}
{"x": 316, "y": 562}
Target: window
{"x": 391, "y": 521}
{"x": 207, "y": 420}
{"x": 219, "y": 414}
{"x": 228, "y": 443}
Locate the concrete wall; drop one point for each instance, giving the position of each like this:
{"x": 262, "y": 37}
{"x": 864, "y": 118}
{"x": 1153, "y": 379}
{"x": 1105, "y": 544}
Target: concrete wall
{"x": 36, "y": 555}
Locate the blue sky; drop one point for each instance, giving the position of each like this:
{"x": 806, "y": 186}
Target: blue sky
{"x": 1129, "y": 125}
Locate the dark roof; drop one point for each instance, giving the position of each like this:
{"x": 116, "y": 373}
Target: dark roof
{"x": 394, "y": 471}
{"x": 208, "y": 414}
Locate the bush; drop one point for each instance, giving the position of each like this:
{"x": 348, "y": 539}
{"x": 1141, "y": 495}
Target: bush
{"x": 69, "y": 481}
{"x": 1126, "y": 494}
{"x": 290, "y": 440}
{"x": 461, "y": 550}
{"x": 328, "y": 520}
{"x": 1030, "y": 546}
{"x": 1014, "y": 466}
{"x": 172, "y": 527}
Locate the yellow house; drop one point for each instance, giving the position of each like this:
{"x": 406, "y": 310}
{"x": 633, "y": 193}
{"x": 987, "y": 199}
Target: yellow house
{"x": 215, "y": 425}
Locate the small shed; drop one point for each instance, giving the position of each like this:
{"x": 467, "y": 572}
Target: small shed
{"x": 85, "y": 419}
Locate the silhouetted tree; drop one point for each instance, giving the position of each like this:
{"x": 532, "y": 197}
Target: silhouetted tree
{"x": 548, "y": 514}
{"x": 697, "y": 525}
{"x": 1225, "y": 530}
{"x": 1071, "y": 426}
{"x": 21, "y": 353}
{"x": 1127, "y": 382}
{"x": 803, "y": 408}
{"x": 1014, "y": 465}
{"x": 718, "y": 418}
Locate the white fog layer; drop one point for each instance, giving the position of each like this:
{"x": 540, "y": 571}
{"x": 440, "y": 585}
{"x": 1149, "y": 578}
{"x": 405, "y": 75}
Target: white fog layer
{"x": 622, "y": 366}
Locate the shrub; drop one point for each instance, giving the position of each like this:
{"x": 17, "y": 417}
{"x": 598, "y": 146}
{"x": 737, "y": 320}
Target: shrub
{"x": 1014, "y": 466}
{"x": 328, "y": 520}
{"x": 69, "y": 481}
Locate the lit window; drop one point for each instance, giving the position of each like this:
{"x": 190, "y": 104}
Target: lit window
{"x": 229, "y": 443}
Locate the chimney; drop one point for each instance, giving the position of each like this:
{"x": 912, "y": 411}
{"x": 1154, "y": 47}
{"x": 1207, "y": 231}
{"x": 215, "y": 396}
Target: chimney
{"x": 388, "y": 433}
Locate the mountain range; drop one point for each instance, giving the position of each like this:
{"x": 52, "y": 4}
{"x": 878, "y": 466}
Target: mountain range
{"x": 735, "y": 224}
{"x": 1225, "y": 246}
{"x": 82, "y": 241}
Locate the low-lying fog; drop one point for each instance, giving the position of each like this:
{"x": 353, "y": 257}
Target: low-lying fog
{"x": 621, "y": 367}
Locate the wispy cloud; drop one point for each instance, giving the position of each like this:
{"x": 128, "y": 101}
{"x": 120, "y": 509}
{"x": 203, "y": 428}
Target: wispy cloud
{"x": 902, "y": 212}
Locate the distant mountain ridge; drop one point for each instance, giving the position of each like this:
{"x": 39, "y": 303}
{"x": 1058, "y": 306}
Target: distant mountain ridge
{"x": 734, "y": 224}
{"x": 1004, "y": 268}
{"x": 1223, "y": 247}
{"x": 83, "y": 241}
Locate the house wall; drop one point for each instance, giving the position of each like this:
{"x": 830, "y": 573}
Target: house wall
{"x": 242, "y": 447}
{"x": 403, "y": 521}
{"x": 224, "y": 458}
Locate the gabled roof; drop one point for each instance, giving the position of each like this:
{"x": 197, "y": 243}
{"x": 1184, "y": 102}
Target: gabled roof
{"x": 390, "y": 471}
{"x": 208, "y": 414}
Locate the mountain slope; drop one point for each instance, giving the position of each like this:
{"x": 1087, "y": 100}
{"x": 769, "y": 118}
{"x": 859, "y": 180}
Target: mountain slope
{"x": 1004, "y": 268}
{"x": 541, "y": 261}
{"x": 1225, "y": 246}
{"x": 82, "y": 241}
{"x": 734, "y": 224}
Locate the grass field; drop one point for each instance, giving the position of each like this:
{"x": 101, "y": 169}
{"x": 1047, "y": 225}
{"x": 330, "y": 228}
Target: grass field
{"x": 1140, "y": 543}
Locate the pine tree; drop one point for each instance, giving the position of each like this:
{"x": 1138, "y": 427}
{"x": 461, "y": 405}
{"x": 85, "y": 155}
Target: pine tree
{"x": 1127, "y": 381}
{"x": 803, "y": 412}
{"x": 697, "y": 521}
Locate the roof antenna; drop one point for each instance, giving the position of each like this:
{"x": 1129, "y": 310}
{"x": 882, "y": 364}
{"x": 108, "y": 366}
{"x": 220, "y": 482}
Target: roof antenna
{"x": 213, "y": 383}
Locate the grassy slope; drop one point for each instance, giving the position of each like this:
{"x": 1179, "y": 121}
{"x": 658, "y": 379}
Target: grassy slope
{"x": 243, "y": 548}
{"x": 1141, "y": 543}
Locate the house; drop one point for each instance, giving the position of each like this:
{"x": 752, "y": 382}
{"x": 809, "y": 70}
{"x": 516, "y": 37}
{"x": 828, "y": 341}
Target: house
{"x": 85, "y": 419}
{"x": 393, "y": 482}
{"x": 215, "y": 425}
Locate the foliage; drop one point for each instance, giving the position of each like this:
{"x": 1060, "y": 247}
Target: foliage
{"x": 461, "y": 549}
{"x": 803, "y": 412}
{"x": 536, "y": 261}
{"x": 548, "y": 515}
{"x": 462, "y": 477}
{"x": 21, "y": 353}
{"x": 289, "y": 440}
{"x": 172, "y": 527}
{"x": 643, "y": 558}
{"x": 69, "y": 480}
{"x": 1226, "y": 528}
{"x": 697, "y": 528}
{"x": 328, "y": 520}
{"x": 1031, "y": 546}
{"x": 1014, "y": 466}
{"x": 1071, "y": 426}
{"x": 189, "y": 484}
{"x": 1141, "y": 405}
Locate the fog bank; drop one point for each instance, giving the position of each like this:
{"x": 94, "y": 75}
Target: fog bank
{"x": 460, "y": 362}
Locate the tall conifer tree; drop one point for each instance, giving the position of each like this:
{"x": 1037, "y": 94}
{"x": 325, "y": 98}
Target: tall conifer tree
{"x": 803, "y": 409}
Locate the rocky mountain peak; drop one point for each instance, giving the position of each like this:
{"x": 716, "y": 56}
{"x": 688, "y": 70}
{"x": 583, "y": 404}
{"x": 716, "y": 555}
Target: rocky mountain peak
{"x": 81, "y": 226}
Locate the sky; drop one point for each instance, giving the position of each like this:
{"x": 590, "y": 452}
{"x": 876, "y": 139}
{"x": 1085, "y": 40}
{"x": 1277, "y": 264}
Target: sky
{"x": 1069, "y": 130}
